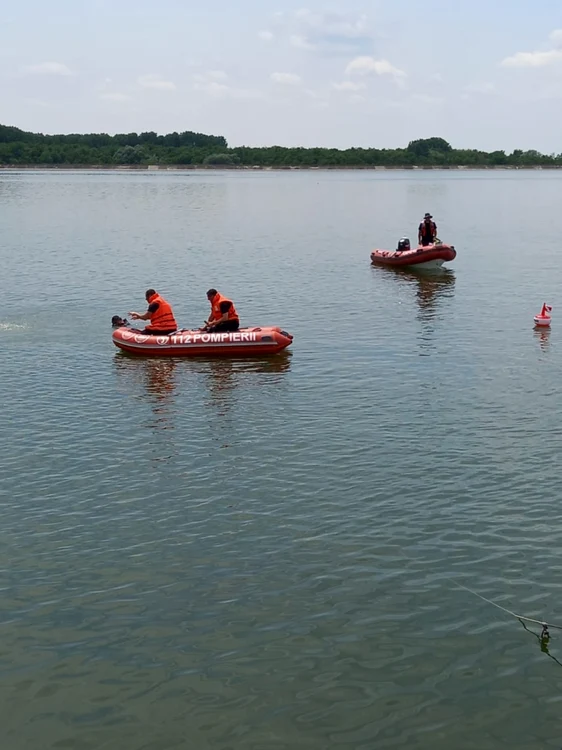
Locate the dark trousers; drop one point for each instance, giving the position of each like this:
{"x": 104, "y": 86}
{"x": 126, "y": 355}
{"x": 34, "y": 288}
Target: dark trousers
{"x": 226, "y": 325}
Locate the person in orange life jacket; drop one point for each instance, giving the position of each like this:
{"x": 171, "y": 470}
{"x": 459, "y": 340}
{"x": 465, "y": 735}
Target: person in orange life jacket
{"x": 159, "y": 314}
{"x": 427, "y": 231}
{"x": 223, "y": 315}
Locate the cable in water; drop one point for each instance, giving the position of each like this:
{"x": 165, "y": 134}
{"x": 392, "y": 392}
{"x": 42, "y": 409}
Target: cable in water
{"x": 545, "y": 635}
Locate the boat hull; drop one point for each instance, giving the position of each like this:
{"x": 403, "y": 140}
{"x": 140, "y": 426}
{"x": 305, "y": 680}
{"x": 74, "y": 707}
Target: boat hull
{"x": 430, "y": 256}
{"x": 246, "y": 342}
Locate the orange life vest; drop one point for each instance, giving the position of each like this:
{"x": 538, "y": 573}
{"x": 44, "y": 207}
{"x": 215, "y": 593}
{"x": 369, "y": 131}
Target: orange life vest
{"x": 163, "y": 319}
{"x": 432, "y": 226}
{"x": 216, "y": 313}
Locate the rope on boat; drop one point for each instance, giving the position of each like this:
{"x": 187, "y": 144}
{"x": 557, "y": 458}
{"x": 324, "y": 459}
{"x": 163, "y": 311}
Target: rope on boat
{"x": 521, "y": 618}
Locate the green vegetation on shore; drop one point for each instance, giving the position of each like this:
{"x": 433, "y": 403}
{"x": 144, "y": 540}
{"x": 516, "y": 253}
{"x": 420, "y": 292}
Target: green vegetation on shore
{"x": 21, "y": 148}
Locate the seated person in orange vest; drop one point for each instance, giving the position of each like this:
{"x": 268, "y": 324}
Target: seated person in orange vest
{"x": 427, "y": 231}
{"x": 223, "y": 315}
{"x": 159, "y": 314}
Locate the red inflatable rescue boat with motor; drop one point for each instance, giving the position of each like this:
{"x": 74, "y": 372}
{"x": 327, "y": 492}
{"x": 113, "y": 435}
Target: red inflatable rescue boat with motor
{"x": 426, "y": 256}
{"x": 246, "y": 342}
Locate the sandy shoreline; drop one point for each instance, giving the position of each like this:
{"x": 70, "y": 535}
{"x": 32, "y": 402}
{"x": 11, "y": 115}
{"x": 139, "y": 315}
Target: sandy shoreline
{"x": 223, "y": 168}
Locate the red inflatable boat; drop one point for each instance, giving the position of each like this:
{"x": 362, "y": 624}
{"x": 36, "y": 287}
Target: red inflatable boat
{"x": 246, "y": 342}
{"x": 430, "y": 256}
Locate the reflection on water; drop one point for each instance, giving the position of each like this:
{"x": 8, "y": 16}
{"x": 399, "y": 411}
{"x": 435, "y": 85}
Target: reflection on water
{"x": 220, "y": 380}
{"x": 543, "y": 639}
{"x": 223, "y": 375}
{"x": 432, "y": 288}
{"x": 160, "y": 381}
{"x": 543, "y": 337}
{"x": 155, "y": 381}
{"x": 228, "y": 382}
{"x": 156, "y": 376}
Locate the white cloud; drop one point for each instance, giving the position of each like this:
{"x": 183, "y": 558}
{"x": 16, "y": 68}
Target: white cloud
{"x": 532, "y": 59}
{"x": 328, "y": 33}
{"x": 333, "y": 23}
{"x": 366, "y": 65}
{"x": 427, "y": 99}
{"x": 300, "y": 42}
{"x": 115, "y": 97}
{"x": 152, "y": 81}
{"x": 210, "y": 75}
{"x": 267, "y": 36}
{"x": 349, "y": 86}
{"x": 480, "y": 88}
{"x": 315, "y": 94}
{"x": 287, "y": 79}
{"x": 218, "y": 90}
{"x": 318, "y": 98}
{"x": 538, "y": 58}
{"x": 212, "y": 87}
{"x": 49, "y": 68}
{"x": 212, "y": 83}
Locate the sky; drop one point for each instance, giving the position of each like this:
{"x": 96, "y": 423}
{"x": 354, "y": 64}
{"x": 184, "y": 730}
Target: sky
{"x": 333, "y": 74}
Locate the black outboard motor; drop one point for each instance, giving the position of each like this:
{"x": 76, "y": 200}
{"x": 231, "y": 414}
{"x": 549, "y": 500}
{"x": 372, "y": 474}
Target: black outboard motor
{"x": 403, "y": 245}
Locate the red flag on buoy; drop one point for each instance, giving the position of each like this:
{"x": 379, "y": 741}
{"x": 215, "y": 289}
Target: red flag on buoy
{"x": 543, "y": 319}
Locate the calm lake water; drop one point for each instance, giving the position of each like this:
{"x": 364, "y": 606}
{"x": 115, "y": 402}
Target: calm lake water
{"x": 257, "y": 555}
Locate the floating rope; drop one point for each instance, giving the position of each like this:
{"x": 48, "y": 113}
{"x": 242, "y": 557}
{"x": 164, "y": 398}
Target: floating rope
{"x": 544, "y": 635}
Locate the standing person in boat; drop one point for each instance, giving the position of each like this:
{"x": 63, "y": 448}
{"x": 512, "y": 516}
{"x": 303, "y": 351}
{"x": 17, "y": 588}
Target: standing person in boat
{"x": 159, "y": 313}
{"x": 223, "y": 315}
{"x": 427, "y": 231}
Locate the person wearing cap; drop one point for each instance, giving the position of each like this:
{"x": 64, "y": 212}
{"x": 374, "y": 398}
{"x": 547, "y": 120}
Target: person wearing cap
{"x": 223, "y": 315}
{"x": 427, "y": 231}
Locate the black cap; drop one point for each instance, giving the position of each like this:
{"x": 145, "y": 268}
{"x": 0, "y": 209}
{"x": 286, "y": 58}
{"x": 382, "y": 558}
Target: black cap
{"x": 428, "y": 216}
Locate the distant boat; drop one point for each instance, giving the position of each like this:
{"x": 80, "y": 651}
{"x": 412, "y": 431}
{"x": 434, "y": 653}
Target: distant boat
{"x": 428, "y": 256}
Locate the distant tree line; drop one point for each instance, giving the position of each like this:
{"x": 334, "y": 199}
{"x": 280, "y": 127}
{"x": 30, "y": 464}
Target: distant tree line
{"x": 18, "y": 147}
